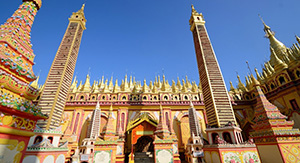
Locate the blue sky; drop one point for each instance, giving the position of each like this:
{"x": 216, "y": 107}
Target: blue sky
{"x": 145, "y": 38}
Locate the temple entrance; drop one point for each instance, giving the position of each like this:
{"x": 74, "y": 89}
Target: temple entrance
{"x": 144, "y": 149}
{"x": 140, "y": 138}
{"x": 144, "y": 144}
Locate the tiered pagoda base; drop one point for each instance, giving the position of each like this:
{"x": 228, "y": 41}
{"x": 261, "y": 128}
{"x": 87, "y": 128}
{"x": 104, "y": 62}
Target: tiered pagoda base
{"x": 226, "y": 145}
{"x": 45, "y": 146}
{"x": 285, "y": 147}
{"x": 225, "y": 153}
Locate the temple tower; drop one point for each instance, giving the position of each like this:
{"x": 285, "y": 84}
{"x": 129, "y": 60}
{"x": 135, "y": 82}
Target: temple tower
{"x": 88, "y": 144}
{"x": 194, "y": 145}
{"x": 218, "y": 107}
{"x": 53, "y": 98}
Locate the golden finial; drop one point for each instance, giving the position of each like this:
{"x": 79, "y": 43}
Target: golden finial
{"x": 231, "y": 86}
{"x": 257, "y": 74}
{"x": 82, "y": 7}
{"x": 298, "y": 39}
{"x": 193, "y": 10}
{"x": 34, "y": 84}
{"x": 254, "y": 81}
{"x": 265, "y": 25}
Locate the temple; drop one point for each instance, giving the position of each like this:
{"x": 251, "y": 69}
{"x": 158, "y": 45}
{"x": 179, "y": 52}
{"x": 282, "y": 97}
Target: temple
{"x": 160, "y": 121}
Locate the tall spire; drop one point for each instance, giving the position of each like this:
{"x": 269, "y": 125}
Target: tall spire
{"x": 219, "y": 113}
{"x": 278, "y": 46}
{"x": 195, "y": 128}
{"x": 96, "y": 122}
{"x": 58, "y": 82}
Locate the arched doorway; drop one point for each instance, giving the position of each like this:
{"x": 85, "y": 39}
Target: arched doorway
{"x": 144, "y": 144}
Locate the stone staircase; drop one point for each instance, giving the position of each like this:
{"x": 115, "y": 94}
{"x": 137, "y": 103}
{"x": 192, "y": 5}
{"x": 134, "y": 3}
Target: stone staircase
{"x": 143, "y": 157}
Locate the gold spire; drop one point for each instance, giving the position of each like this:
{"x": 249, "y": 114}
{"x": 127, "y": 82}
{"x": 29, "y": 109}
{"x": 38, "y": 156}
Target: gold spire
{"x": 151, "y": 85}
{"x": 298, "y": 39}
{"x": 35, "y": 84}
{"x": 194, "y": 87}
{"x": 257, "y": 75}
{"x": 95, "y": 87}
{"x": 131, "y": 85}
{"x": 111, "y": 85}
{"x": 268, "y": 71}
{"x": 174, "y": 88}
{"x": 254, "y": 81}
{"x": 241, "y": 85}
{"x": 80, "y": 86}
{"x": 278, "y": 46}
{"x": 86, "y": 86}
{"x": 293, "y": 59}
{"x": 164, "y": 86}
{"x": 188, "y": 83}
{"x": 247, "y": 82}
{"x": 154, "y": 90}
{"x": 116, "y": 87}
{"x": 135, "y": 89}
{"x": 158, "y": 82}
{"x": 278, "y": 64}
{"x": 265, "y": 75}
{"x": 179, "y": 84}
{"x": 270, "y": 67}
{"x": 125, "y": 86}
{"x": 74, "y": 84}
{"x": 101, "y": 83}
{"x": 105, "y": 89}
{"x": 194, "y": 11}
{"x": 184, "y": 89}
{"x": 145, "y": 87}
{"x": 231, "y": 87}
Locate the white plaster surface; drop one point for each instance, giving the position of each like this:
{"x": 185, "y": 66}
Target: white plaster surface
{"x": 164, "y": 156}
{"x": 60, "y": 159}
{"x": 31, "y": 159}
{"x": 7, "y": 155}
{"x": 49, "y": 159}
{"x": 102, "y": 157}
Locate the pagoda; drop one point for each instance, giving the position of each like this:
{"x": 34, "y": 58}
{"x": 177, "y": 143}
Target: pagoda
{"x": 48, "y": 144}
{"x": 18, "y": 115}
{"x": 273, "y": 132}
{"x": 225, "y": 142}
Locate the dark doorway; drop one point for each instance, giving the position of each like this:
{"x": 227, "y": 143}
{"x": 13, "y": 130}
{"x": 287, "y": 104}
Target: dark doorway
{"x": 144, "y": 144}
